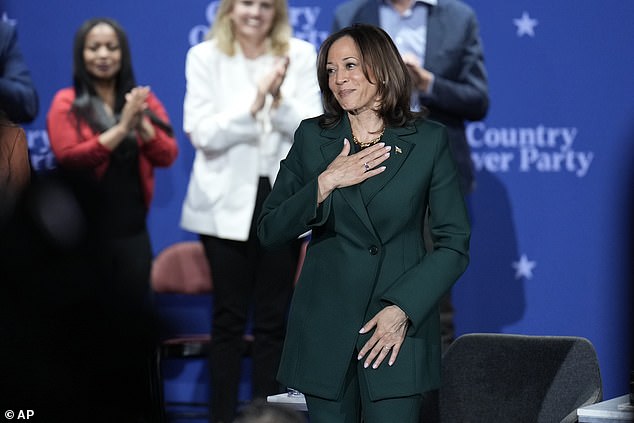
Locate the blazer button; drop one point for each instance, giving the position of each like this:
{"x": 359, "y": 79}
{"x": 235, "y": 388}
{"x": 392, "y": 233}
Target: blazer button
{"x": 374, "y": 250}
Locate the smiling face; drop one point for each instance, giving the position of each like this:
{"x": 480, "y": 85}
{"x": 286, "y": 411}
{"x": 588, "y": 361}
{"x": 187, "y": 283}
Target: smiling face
{"x": 252, "y": 19}
{"x": 352, "y": 90}
{"x": 102, "y": 52}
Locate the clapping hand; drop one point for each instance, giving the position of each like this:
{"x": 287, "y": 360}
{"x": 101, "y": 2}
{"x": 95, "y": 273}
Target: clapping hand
{"x": 270, "y": 84}
{"x": 276, "y": 77}
{"x": 136, "y": 104}
{"x": 421, "y": 77}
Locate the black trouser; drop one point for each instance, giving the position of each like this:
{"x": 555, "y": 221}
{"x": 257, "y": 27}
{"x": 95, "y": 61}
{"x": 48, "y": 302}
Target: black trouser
{"x": 128, "y": 259}
{"x": 249, "y": 281}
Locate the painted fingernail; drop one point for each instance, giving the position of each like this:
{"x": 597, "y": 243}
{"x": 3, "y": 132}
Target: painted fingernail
{"x": 365, "y": 365}
{"x": 374, "y": 366}
{"x": 388, "y": 148}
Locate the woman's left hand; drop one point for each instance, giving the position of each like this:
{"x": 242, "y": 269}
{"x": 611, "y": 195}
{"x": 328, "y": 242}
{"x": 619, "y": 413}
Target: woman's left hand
{"x": 270, "y": 84}
{"x": 137, "y": 97}
{"x": 277, "y": 76}
{"x": 390, "y": 327}
{"x": 135, "y": 103}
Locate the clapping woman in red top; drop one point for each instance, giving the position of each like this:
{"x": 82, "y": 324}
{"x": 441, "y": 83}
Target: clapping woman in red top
{"x": 108, "y": 130}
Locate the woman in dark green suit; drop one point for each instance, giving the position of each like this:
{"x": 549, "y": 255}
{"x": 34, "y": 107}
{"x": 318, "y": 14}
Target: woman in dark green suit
{"x": 363, "y": 339}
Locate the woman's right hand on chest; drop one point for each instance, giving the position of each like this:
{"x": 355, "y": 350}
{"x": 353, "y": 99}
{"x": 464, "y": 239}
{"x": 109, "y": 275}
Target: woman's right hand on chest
{"x": 351, "y": 169}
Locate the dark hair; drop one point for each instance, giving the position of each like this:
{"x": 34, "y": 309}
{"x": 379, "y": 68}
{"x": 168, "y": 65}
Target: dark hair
{"x": 4, "y": 119}
{"x": 379, "y": 57}
{"x": 84, "y": 83}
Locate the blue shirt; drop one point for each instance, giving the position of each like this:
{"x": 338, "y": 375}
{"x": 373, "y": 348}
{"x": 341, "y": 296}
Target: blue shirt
{"x": 409, "y": 30}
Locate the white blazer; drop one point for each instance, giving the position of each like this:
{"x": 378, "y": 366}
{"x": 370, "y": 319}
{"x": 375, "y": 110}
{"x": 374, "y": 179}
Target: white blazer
{"x": 232, "y": 148}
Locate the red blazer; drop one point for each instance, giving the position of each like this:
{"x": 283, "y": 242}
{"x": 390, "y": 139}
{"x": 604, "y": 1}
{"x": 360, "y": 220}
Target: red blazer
{"x": 80, "y": 149}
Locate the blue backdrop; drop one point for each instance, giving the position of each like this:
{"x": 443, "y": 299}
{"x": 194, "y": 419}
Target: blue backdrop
{"x": 551, "y": 212}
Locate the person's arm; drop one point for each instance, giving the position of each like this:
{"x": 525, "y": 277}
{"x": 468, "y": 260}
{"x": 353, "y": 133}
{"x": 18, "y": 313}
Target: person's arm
{"x": 18, "y": 97}
{"x": 291, "y": 209}
{"x": 418, "y": 291}
{"x": 467, "y": 96}
{"x": 413, "y": 296}
{"x": 161, "y": 149}
{"x": 74, "y": 146}
{"x": 298, "y": 202}
{"x": 210, "y": 123}
{"x": 303, "y": 100}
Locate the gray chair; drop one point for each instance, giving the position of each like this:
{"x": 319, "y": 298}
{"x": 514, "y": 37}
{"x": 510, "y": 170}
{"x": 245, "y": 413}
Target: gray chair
{"x": 518, "y": 378}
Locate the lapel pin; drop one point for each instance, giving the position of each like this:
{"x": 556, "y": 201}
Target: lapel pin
{"x": 398, "y": 149}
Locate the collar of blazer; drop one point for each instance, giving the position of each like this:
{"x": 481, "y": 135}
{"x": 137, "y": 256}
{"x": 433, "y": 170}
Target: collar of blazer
{"x": 359, "y": 196}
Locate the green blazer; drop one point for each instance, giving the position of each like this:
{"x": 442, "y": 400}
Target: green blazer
{"x": 367, "y": 252}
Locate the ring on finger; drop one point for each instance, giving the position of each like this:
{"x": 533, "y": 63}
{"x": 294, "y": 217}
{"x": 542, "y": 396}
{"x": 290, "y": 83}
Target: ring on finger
{"x": 366, "y": 166}
{"x": 388, "y": 347}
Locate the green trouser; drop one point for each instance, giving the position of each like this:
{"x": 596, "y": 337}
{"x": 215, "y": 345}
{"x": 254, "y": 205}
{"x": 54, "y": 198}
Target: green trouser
{"x": 355, "y": 405}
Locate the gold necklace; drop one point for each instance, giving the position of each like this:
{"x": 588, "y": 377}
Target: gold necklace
{"x": 368, "y": 143}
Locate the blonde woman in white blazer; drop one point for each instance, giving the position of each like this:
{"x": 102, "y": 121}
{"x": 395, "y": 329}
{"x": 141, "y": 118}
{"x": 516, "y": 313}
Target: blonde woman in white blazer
{"x": 248, "y": 87}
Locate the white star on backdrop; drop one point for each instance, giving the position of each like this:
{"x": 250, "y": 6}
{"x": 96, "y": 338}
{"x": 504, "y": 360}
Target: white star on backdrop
{"x": 524, "y": 267}
{"x": 525, "y": 25}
